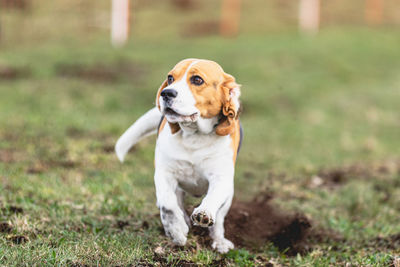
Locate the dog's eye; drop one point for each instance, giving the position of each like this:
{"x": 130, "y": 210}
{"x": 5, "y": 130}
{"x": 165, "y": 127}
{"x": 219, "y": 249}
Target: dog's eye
{"x": 196, "y": 80}
{"x": 170, "y": 79}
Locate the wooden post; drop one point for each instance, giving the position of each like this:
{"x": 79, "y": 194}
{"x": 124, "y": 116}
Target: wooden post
{"x": 374, "y": 11}
{"x": 230, "y": 17}
{"x": 119, "y": 22}
{"x": 309, "y": 17}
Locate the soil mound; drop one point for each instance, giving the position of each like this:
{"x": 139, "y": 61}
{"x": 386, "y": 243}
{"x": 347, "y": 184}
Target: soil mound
{"x": 255, "y": 223}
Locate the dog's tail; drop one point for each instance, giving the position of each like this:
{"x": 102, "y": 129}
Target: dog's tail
{"x": 144, "y": 126}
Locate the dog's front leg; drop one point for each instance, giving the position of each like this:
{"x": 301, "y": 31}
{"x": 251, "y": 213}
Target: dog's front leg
{"x": 172, "y": 216}
{"x": 220, "y": 243}
{"x": 214, "y": 208}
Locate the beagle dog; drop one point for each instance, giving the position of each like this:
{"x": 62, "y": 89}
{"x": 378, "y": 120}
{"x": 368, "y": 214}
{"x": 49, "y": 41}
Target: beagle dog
{"x": 199, "y": 135}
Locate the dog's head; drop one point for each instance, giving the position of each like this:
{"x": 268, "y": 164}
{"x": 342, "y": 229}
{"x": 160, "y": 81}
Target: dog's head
{"x": 199, "y": 88}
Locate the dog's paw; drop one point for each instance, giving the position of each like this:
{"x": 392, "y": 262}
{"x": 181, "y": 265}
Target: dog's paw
{"x": 222, "y": 245}
{"x": 202, "y": 218}
{"x": 177, "y": 230}
{"x": 179, "y": 240}
{"x": 177, "y": 235}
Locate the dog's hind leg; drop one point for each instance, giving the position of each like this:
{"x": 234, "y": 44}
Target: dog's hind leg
{"x": 172, "y": 216}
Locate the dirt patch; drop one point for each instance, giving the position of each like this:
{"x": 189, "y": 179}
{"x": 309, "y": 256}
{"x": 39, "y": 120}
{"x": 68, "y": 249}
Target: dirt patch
{"x": 70, "y": 263}
{"x": 5, "y": 227}
{"x": 6, "y": 156}
{"x": 120, "y": 224}
{"x": 391, "y": 242}
{"x": 145, "y": 225}
{"x": 15, "y": 209}
{"x": 12, "y": 209}
{"x": 255, "y": 223}
{"x": 11, "y": 155}
{"x": 202, "y": 236}
{"x": 163, "y": 261}
{"x": 41, "y": 167}
{"x": 18, "y": 239}
{"x": 78, "y": 133}
{"x": 13, "y": 73}
{"x": 66, "y": 164}
{"x": 337, "y": 176}
{"x": 102, "y": 72}
{"x": 167, "y": 254}
{"x": 161, "y": 258}
{"x": 108, "y": 148}
{"x": 75, "y": 132}
{"x": 37, "y": 168}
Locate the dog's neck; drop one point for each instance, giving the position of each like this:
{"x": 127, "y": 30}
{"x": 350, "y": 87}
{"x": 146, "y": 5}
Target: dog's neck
{"x": 201, "y": 126}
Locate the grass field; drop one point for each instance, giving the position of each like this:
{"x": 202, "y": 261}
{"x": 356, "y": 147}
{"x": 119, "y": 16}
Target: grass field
{"x": 322, "y": 136}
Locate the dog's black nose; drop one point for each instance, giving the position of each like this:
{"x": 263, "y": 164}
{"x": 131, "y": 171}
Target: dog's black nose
{"x": 168, "y": 94}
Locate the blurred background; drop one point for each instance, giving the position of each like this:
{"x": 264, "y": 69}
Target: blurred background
{"x": 68, "y": 21}
{"x": 320, "y": 91}
{"x": 309, "y": 69}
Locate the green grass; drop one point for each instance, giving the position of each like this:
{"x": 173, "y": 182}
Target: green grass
{"x": 310, "y": 104}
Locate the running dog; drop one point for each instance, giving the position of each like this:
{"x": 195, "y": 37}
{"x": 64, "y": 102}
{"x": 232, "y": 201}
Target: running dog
{"x": 199, "y": 135}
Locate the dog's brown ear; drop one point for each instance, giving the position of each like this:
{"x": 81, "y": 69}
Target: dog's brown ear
{"x": 230, "y": 105}
{"x": 173, "y": 126}
{"x": 163, "y": 85}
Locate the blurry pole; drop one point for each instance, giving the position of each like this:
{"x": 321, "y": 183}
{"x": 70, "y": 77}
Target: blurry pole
{"x": 309, "y": 16}
{"x": 374, "y": 11}
{"x": 230, "y": 16}
{"x": 119, "y": 22}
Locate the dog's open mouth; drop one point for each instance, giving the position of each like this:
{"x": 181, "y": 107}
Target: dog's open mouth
{"x": 174, "y": 116}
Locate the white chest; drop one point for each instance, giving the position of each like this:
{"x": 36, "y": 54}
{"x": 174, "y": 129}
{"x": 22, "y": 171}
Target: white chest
{"x": 190, "y": 159}
{"x": 189, "y": 178}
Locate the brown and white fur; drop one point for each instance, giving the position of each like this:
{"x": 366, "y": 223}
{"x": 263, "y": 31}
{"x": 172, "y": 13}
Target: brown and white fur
{"x": 197, "y": 116}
